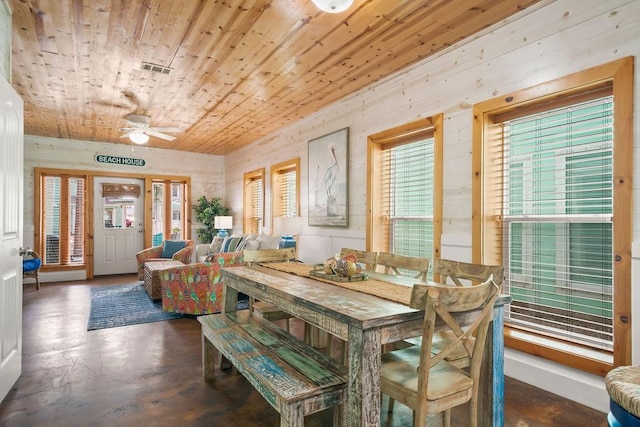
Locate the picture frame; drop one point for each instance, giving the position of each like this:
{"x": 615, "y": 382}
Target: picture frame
{"x": 328, "y": 180}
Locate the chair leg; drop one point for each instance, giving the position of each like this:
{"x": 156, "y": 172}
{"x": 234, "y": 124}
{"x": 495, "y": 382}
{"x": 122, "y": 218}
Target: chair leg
{"x": 391, "y": 404}
{"x": 339, "y": 415}
{"x": 446, "y": 421}
{"x": 37, "y": 282}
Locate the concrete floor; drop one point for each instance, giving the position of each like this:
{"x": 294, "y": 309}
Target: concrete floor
{"x": 151, "y": 375}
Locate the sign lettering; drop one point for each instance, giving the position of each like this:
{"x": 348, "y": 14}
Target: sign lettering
{"x": 117, "y": 160}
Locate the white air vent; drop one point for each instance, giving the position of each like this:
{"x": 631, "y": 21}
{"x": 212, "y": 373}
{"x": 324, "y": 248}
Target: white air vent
{"x": 155, "y": 68}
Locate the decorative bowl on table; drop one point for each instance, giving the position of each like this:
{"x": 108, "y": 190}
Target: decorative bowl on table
{"x": 339, "y": 269}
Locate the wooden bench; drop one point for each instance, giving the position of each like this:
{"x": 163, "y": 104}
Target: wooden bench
{"x": 295, "y": 378}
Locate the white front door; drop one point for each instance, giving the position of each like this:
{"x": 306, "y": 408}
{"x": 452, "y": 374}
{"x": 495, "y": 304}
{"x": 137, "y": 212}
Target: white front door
{"x": 118, "y": 226}
{"x": 11, "y": 224}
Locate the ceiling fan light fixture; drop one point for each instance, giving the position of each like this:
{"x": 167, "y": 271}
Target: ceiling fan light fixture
{"x": 333, "y": 6}
{"x": 138, "y": 138}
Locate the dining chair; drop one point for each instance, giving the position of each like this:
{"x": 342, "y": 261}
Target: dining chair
{"x": 400, "y": 264}
{"x": 253, "y": 256}
{"x": 369, "y": 259}
{"x": 426, "y": 382}
{"x": 456, "y": 271}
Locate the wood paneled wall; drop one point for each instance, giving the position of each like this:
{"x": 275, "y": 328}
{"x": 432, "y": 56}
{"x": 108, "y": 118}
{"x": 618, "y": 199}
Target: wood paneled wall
{"x": 560, "y": 38}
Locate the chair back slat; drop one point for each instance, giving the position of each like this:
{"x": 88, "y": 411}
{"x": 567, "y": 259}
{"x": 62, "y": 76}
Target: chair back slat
{"x": 393, "y": 264}
{"x": 455, "y": 271}
{"x": 252, "y": 256}
{"x": 369, "y": 259}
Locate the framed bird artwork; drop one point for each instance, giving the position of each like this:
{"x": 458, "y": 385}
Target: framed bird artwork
{"x": 328, "y": 180}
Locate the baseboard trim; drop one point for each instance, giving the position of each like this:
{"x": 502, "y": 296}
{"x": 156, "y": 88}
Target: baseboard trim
{"x": 572, "y": 384}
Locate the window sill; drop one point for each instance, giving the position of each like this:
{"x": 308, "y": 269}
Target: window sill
{"x": 47, "y": 268}
{"x": 572, "y": 355}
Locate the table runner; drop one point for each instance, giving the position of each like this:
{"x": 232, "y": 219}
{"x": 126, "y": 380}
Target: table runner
{"x": 380, "y": 288}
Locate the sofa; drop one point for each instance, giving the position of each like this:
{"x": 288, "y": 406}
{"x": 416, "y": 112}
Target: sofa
{"x": 177, "y": 250}
{"x": 196, "y": 288}
{"x": 237, "y": 242}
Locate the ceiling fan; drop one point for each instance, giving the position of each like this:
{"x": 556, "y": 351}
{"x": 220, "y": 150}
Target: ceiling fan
{"x": 139, "y": 130}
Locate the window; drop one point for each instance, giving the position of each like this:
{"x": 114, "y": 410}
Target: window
{"x": 168, "y": 211}
{"x": 118, "y": 205}
{"x": 61, "y": 219}
{"x": 552, "y": 215}
{"x": 285, "y": 182}
{"x": 405, "y": 187}
{"x": 253, "y": 208}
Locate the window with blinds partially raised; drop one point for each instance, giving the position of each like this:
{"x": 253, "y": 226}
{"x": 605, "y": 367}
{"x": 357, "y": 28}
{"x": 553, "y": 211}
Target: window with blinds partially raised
{"x": 557, "y": 221}
{"x": 403, "y": 181}
{"x": 253, "y": 209}
{"x": 284, "y": 188}
{"x": 551, "y": 204}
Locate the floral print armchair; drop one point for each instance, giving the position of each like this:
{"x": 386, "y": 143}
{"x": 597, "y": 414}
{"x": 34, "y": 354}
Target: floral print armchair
{"x": 196, "y": 288}
{"x": 155, "y": 253}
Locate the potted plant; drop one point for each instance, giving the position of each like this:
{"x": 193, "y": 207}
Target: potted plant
{"x": 206, "y": 210}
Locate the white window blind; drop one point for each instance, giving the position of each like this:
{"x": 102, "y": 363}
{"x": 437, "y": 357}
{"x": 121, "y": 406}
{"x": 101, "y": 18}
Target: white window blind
{"x": 158, "y": 204}
{"x": 286, "y": 192}
{"x": 51, "y": 219}
{"x": 257, "y": 205}
{"x": 63, "y": 216}
{"x": 407, "y": 191}
{"x": 557, "y": 221}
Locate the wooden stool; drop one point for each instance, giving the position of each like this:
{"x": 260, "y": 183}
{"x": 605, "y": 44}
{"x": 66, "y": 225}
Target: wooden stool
{"x": 623, "y": 386}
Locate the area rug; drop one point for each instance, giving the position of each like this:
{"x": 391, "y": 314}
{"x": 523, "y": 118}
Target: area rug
{"x": 122, "y": 305}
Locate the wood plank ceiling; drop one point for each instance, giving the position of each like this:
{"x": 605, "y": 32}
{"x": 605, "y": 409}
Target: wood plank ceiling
{"x": 239, "y": 68}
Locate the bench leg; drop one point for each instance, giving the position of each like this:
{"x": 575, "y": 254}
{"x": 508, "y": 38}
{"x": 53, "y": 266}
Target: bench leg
{"x": 292, "y": 415}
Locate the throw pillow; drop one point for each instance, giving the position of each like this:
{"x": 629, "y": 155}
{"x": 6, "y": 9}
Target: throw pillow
{"x": 216, "y": 245}
{"x": 31, "y": 264}
{"x": 232, "y": 243}
{"x": 252, "y": 245}
{"x": 245, "y": 242}
{"x": 170, "y": 247}
{"x": 269, "y": 242}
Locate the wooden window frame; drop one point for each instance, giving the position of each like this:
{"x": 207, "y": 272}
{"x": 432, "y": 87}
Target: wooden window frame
{"x": 89, "y": 206}
{"x": 277, "y": 171}
{"x": 168, "y": 195}
{"x": 376, "y": 144}
{"x": 254, "y": 175}
{"x": 39, "y": 202}
{"x": 486, "y": 243}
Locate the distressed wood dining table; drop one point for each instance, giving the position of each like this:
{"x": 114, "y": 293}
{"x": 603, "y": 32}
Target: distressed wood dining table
{"x": 366, "y": 322}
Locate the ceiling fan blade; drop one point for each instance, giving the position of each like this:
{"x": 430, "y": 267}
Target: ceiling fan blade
{"x": 159, "y": 135}
{"x": 126, "y": 134}
{"x": 166, "y": 129}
